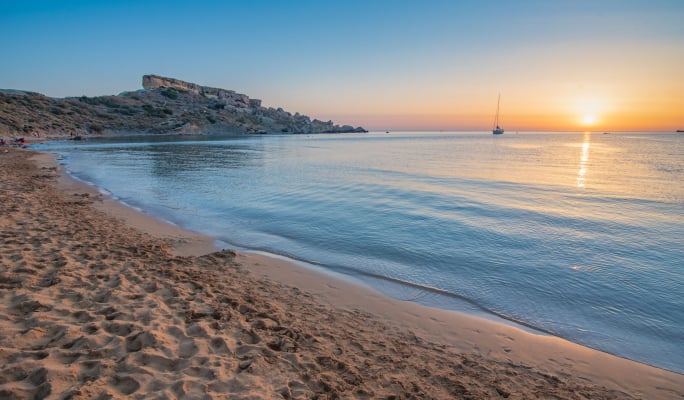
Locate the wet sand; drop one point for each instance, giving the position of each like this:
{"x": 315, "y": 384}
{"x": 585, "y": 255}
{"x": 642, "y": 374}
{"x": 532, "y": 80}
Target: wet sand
{"x": 99, "y": 301}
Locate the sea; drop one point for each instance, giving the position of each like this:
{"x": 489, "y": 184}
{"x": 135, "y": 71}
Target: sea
{"x": 574, "y": 234}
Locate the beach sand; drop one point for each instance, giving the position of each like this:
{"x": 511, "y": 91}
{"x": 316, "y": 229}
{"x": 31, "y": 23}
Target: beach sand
{"x": 98, "y": 301}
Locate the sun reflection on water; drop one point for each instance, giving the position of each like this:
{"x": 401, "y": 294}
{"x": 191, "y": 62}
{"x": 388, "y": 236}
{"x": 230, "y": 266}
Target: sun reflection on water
{"x": 584, "y": 160}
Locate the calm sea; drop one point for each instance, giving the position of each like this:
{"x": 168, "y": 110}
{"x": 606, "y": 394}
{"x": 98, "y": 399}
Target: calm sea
{"x": 580, "y": 235}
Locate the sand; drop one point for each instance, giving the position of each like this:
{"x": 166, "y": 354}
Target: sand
{"x": 97, "y": 301}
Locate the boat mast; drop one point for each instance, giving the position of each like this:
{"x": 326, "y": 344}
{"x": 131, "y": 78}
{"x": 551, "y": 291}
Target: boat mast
{"x": 496, "y": 119}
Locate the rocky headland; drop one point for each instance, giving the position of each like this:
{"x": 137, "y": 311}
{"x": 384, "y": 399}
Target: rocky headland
{"x": 163, "y": 105}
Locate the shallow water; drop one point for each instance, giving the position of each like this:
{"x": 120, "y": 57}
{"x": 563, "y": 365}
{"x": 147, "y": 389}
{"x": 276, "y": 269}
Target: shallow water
{"x": 576, "y": 234}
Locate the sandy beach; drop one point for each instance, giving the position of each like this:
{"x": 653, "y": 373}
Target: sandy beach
{"x": 99, "y": 301}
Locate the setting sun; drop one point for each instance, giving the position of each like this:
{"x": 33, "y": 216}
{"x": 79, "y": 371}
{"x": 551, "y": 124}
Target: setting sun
{"x": 588, "y": 119}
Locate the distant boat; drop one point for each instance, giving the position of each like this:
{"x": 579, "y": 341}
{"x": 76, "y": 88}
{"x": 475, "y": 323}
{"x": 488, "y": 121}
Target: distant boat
{"x": 680, "y": 130}
{"x": 497, "y": 129}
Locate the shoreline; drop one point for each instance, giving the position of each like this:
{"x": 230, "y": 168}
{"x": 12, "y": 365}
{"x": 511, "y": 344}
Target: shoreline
{"x": 199, "y": 244}
{"x": 510, "y": 361}
{"x": 189, "y": 243}
{"x": 283, "y": 268}
{"x": 185, "y": 242}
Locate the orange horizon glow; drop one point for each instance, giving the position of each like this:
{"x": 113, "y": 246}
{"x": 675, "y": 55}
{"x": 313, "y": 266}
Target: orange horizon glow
{"x": 588, "y": 113}
{"x": 617, "y": 122}
{"x": 584, "y": 88}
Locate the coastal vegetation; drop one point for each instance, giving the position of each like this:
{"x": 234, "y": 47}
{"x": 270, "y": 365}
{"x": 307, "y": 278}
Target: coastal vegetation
{"x": 164, "y": 105}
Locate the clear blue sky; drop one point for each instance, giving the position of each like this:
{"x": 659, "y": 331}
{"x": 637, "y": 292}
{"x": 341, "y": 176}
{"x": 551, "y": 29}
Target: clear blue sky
{"x": 381, "y": 64}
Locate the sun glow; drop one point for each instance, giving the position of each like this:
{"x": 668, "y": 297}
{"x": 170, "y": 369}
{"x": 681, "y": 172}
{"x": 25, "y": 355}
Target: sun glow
{"x": 589, "y": 110}
{"x": 588, "y": 119}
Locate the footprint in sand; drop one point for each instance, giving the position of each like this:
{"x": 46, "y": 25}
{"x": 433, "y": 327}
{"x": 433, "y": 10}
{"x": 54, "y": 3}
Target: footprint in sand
{"x": 110, "y": 313}
{"x": 89, "y": 370}
{"x": 82, "y": 316}
{"x": 24, "y": 305}
{"x": 187, "y": 348}
{"x": 52, "y": 335}
{"x": 102, "y": 296}
{"x": 139, "y": 340}
{"x": 118, "y": 329}
{"x": 42, "y": 391}
{"x": 162, "y": 364}
{"x": 194, "y": 330}
{"x": 38, "y": 378}
{"x": 125, "y": 384}
{"x": 186, "y": 345}
{"x": 249, "y": 337}
{"x": 219, "y": 346}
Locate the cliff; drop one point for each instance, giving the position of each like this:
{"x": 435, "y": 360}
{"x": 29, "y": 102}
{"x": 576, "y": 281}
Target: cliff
{"x": 227, "y": 96}
{"x": 164, "y": 105}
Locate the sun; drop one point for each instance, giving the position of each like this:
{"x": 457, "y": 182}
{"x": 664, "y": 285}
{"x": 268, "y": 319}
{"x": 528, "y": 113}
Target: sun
{"x": 588, "y": 119}
{"x": 588, "y": 111}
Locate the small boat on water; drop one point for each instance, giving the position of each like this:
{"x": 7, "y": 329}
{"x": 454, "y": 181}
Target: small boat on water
{"x": 497, "y": 129}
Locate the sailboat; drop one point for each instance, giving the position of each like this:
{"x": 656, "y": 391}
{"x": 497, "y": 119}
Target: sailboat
{"x": 497, "y": 130}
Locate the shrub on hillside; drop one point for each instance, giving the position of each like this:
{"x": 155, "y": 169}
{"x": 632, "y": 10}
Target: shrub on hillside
{"x": 171, "y": 93}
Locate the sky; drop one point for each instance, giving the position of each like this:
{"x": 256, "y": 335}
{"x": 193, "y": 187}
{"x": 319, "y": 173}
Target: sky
{"x": 595, "y": 65}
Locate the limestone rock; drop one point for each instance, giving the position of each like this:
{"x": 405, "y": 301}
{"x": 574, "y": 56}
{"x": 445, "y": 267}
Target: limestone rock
{"x": 164, "y": 105}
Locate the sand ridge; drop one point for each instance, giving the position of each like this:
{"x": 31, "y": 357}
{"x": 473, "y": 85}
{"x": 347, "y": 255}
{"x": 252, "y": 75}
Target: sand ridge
{"x": 91, "y": 307}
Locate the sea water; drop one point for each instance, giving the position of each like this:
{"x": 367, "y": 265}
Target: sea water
{"x": 579, "y": 235}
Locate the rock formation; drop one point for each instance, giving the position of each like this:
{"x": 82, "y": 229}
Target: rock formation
{"x": 227, "y": 96}
{"x": 164, "y": 105}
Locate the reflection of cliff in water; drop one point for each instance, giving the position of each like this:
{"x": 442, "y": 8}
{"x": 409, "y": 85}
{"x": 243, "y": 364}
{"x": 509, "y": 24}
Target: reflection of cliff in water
{"x": 196, "y": 158}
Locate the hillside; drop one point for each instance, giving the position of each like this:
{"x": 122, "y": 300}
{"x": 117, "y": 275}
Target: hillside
{"x": 164, "y": 105}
